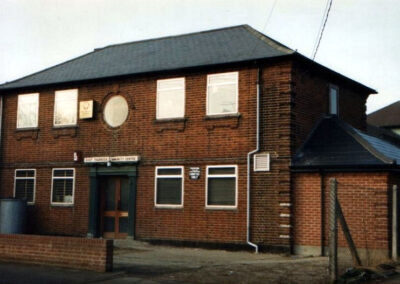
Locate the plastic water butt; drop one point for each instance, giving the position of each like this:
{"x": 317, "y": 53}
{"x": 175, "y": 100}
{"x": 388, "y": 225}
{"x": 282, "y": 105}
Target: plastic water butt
{"x": 12, "y": 216}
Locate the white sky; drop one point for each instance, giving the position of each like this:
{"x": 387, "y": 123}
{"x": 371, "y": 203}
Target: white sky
{"x": 361, "y": 39}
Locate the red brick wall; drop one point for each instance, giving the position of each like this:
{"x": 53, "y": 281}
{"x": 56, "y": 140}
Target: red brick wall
{"x": 365, "y": 201}
{"x": 311, "y": 91}
{"x": 88, "y": 254}
{"x": 197, "y": 142}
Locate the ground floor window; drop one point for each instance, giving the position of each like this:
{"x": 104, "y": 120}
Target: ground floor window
{"x": 62, "y": 189}
{"x": 221, "y": 186}
{"x": 169, "y": 187}
{"x": 24, "y": 188}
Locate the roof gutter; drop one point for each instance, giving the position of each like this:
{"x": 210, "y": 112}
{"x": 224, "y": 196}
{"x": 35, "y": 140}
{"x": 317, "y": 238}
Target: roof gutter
{"x": 248, "y": 162}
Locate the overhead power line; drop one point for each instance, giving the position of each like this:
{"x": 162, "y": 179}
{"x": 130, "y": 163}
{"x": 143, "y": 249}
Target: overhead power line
{"x": 322, "y": 27}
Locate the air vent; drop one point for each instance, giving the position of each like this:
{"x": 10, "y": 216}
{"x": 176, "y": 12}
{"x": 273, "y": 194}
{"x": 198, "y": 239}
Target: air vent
{"x": 261, "y": 162}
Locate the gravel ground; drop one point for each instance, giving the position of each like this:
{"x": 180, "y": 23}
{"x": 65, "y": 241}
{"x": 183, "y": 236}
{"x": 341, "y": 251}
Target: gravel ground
{"x": 193, "y": 265}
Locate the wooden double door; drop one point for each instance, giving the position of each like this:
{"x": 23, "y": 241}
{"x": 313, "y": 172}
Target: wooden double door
{"x": 114, "y": 206}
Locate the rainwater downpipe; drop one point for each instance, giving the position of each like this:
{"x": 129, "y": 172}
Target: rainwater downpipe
{"x": 248, "y": 162}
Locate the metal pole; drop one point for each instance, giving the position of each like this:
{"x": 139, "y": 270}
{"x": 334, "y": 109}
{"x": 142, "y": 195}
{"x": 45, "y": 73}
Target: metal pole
{"x": 394, "y": 224}
{"x": 333, "y": 233}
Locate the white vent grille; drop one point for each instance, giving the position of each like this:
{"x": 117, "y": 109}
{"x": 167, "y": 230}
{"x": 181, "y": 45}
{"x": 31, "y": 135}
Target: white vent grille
{"x": 261, "y": 162}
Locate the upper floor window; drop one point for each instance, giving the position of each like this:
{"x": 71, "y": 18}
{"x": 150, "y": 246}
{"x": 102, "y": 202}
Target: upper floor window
{"x": 221, "y": 186}
{"x": 171, "y": 98}
{"x": 62, "y": 189}
{"x": 28, "y": 110}
{"x": 66, "y": 107}
{"x": 222, "y": 93}
{"x": 24, "y": 187}
{"x": 333, "y": 100}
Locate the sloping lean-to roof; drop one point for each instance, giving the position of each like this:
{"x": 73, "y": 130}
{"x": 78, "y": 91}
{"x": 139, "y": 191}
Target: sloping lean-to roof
{"x": 221, "y": 46}
{"x": 335, "y": 144}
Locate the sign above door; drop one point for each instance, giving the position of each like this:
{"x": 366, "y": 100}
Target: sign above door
{"x": 116, "y": 160}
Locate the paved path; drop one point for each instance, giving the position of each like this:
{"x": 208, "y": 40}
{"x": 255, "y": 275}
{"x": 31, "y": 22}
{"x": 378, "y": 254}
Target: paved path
{"x": 137, "y": 262}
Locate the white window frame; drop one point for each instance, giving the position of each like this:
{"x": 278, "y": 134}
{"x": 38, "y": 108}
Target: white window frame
{"x": 73, "y": 186}
{"x": 236, "y": 93}
{"x": 333, "y": 87}
{"x": 158, "y": 93}
{"x": 24, "y": 178}
{"x": 37, "y": 111}
{"x": 156, "y": 176}
{"x": 54, "y": 110}
{"x": 236, "y": 176}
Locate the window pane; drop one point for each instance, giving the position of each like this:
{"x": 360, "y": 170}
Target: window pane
{"x": 116, "y": 111}
{"x": 124, "y": 194}
{"x": 109, "y": 224}
{"x": 24, "y": 189}
{"x": 171, "y": 103}
{"x": 62, "y": 190}
{"x": 29, "y": 173}
{"x": 63, "y": 173}
{"x": 178, "y": 83}
{"x": 221, "y": 191}
{"x": 172, "y": 171}
{"x": 221, "y": 171}
{"x": 222, "y": 99}
{"x": 169, "y": 191}
{"x": 222, "y": 78}
{"x": 109, "y": 197}
{"x": 123, "y": 224}
{"x": 27, "y": 110}
{"x": 332, "y": 101}
{"x": 65, "y": 107}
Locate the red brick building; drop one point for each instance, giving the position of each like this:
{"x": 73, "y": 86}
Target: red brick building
{"x": 187, "y": 138}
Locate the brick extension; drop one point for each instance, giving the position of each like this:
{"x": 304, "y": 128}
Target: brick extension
{"x": 69, "y": 252}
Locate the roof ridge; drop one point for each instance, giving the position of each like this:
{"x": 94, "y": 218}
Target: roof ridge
{"x": 169, "y": 37}
{"x": 385, "y": 107}
{"x": 353, "y": 132}
{"x": 266, "y": 39}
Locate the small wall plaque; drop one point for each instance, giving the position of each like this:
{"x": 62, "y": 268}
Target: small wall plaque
{"x": 194, "y": 172}
{"x": 86, "y": 109}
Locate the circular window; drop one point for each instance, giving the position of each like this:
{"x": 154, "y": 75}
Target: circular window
{"x": 116, "y": 111}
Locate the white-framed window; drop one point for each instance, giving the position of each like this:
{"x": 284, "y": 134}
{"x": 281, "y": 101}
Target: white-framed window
{"x": 171, "y": 98}
{"x": 221, "y": 186}
{"x": 169, "y": 186}
{"x": 28, "y": 110}
{"x": 222, "y": 93}
{"x": 25, "y": 184}
{"x": 63, "y": 186}
{"x": 65, "y": 107}
{"x": 333, "y": 99}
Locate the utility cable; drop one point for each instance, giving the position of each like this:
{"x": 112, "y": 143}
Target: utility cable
{"x": 322, "y": 28}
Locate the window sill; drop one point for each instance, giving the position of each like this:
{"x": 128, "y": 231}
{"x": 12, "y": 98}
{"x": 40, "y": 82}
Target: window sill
{"x": 168, "y": 206}
{"x": 229, "y": 208}
{"x": 176, "y": 124}
{"x": 65, "y": 130}
{"x": 31, "y": 132}
{"x": 222, "y": 120}
{"x": 61, "y": 205}
{"x": 64, "y": 126}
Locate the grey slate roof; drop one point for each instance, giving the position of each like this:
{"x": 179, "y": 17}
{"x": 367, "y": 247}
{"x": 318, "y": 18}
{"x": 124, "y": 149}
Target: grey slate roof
{"x": 221, "y": 46}
{"x": 335, "y": 144}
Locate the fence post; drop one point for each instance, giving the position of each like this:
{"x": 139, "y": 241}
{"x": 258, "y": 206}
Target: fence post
{"x": 333, "y": 264}
{"x": 394, "y": 223}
